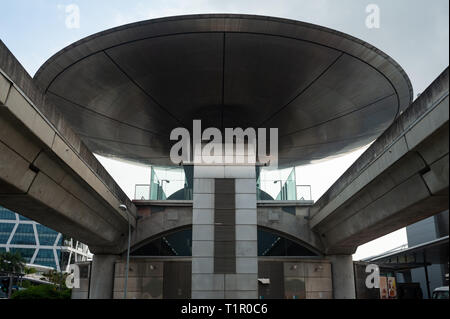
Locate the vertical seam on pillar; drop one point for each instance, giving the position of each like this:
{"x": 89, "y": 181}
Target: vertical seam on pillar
{"x": 223, "y": 79}
{"x": 225, "y": 261}
{"x": 35, "y": 176}
{"x": 9, "y": 91}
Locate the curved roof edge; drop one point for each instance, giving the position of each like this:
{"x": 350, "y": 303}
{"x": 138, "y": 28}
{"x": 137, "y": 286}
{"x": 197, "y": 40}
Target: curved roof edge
{"x": 218, "y": 23}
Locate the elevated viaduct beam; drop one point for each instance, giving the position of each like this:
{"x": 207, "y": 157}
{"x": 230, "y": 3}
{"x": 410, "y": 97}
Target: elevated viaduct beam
{"x": 46, "y": 172}
{"x": 401, "y": 179}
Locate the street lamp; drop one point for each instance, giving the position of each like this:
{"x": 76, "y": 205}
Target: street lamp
{"x": 164, "y": 180}
{"x": 124, "y": 208}
{"x": 281, "y": 188}
{"x": 162, "y": 184}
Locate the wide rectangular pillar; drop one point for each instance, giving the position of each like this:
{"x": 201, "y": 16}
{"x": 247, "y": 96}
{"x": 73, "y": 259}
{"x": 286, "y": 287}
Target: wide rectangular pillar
{"x": 343, "y": 276}
{"x": 224, "y": 232}
{"x": 102, "y": 277}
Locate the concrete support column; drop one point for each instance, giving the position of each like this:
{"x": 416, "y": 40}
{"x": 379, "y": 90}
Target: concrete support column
{"x": 214, "y": 275}
{"x": 343, "y": 276}
{"x": 102, "y": 277}
{"x": 244, "y": 284}
{"x": 205, "y": 283}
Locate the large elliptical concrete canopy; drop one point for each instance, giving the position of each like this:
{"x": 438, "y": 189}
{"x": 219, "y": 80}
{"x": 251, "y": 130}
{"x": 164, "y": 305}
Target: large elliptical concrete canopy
{"x": 124, "y": 90}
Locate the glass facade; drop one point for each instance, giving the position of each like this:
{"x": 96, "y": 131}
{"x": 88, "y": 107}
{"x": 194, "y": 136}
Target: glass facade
{"x": 46, "y": 257}
{"x": 47, "y": 236}
{"x": 26, "y": 253}
{"x": 36, "y": 243}
{"x": 24, "y": 235}
{"x": 167, "y": 184}
{"x": 277, "y": 185}
{"x": 287, "y": 191}
{"x": 156, "y": 187}
{"x": 5, "y": 232}
{"x": 177, "y": 184}
{"x": 6, "y": 214}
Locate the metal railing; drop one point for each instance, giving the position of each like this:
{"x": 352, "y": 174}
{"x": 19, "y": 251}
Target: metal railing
{"x": 304, "y": 192}
{"x": 142, "y": 192}
{"x": 274, "y": 190}
{"x": 162, "y": 190}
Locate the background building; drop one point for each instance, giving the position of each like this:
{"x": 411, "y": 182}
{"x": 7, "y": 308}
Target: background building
{"x": 425, "y": 232}
{"x": 37, "y": 244}
{"x": 424, "y": 261}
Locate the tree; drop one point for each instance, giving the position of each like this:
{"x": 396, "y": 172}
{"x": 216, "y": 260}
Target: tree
{"x": 42, "y": 292}
{"x": 11, "y": 263}
{"x": 57, "y": 278}
{"x": 29, "y": 270}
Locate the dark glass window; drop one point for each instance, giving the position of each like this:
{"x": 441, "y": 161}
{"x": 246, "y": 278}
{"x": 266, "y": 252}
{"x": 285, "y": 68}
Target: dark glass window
{"x": 5, "y": 232}
{"x": 24, "y": 235}
{"x": 46, "y": 235}
{"x": 273, "y": 244}
{"x": 26, "y": 253}
{"x": 45, "y": 257}
{"x": 174, "y": 244}
{"x": 7, "y": 214}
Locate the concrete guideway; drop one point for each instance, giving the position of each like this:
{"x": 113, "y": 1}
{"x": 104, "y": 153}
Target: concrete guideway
{"x": 46, "y": 172}
{"x": 401, "y": 179}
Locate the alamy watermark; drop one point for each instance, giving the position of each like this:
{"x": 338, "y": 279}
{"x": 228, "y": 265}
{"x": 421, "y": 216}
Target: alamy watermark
{"x": 72, "y": 19}
{"x": 373, "y": 19}
{"x": 73, "y": 279}
{"x": 238, "y": 146}
{"x": 373, "y": 279}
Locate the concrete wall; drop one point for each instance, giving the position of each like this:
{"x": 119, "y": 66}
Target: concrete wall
{"x": 298, "y": 279}
{"x": 297, "y": 226}
{"x": 145, "y": 279}
{"x": 102, "y": 277}
{"x": 316, "y": 276}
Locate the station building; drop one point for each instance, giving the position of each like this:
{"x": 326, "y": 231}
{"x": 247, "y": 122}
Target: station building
{"x": 227, "y": 230}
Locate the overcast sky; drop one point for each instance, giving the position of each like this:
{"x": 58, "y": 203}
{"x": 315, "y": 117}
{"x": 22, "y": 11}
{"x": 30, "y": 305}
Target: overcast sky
{"x": 413, "y": 32}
